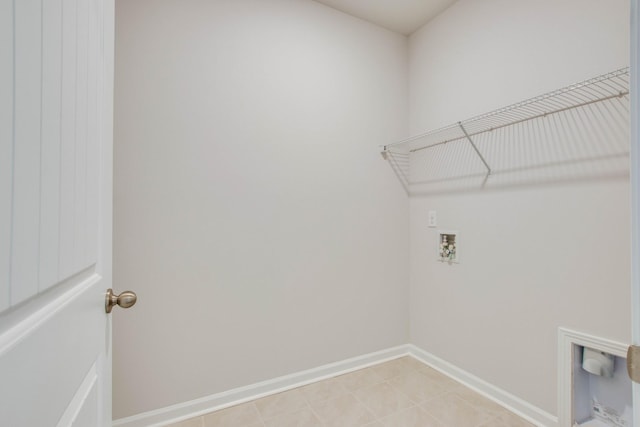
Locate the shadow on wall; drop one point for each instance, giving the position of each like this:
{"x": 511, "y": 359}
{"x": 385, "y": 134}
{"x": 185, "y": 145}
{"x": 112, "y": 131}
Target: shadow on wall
{"x": 588, "y": 141}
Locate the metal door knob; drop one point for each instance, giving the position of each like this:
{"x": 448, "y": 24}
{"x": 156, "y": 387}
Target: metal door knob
{"x": 124, "y": 300}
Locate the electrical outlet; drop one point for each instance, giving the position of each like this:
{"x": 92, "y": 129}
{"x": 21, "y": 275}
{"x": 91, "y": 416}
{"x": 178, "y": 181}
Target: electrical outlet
{"x": 433, "y": 219}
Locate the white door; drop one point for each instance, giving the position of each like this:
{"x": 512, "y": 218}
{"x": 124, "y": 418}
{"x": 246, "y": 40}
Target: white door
{"x": 56, "y": 71}
{"x": 635, "y": 191}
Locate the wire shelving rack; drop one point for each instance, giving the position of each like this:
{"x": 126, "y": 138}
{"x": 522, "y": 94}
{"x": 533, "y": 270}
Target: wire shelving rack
{"x": 600, "y": 89}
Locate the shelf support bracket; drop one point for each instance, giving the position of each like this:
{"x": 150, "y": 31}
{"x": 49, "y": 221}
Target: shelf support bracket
{"x": 475, "y": 148}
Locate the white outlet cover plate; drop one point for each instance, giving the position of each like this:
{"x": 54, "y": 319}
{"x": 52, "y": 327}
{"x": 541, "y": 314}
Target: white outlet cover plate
{"x": 433, "y": 218}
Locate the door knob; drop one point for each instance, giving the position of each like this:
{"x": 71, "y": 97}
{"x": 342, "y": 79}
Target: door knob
{"x": 124, "y": 300}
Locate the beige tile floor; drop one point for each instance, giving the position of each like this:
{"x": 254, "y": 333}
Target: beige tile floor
{"x": 401, "y": 393}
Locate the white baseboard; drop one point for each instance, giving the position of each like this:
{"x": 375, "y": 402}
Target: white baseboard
{"x": 194, "y": 408}
{"x": 513, "y": 403}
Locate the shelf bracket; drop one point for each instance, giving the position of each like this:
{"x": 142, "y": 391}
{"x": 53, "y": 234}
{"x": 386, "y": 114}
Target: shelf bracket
{"x": 475, "y": 148}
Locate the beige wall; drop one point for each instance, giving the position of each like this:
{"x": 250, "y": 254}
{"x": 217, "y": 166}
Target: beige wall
{"x": 540, "y": 252}
{"x": 253, "y": 213}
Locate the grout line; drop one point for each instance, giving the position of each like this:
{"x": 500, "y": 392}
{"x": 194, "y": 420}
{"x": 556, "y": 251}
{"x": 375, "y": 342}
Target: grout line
{"x": 314, "y": 412}
{"x": 377, "y": 418}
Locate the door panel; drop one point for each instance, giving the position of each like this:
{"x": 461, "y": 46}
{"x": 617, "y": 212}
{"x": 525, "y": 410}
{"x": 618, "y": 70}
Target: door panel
{"x": 50, "y": 146}
{"x": 26, "y": 155}
{"x": 94, "y": 109}
{"x": 55, "y": 211}
{"x": 50, "y": 182}
{"x": 82, "y": 136}
{"x": 68, "y": 137}
{"x": 635, "y": 191}
{"x": 83, "y": 407}
{"x": 6, "y": 145}
{"x": 46, "y": 359}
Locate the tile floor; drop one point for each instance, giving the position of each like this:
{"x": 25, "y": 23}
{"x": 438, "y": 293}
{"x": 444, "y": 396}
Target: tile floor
{"x": 401, "y": 393}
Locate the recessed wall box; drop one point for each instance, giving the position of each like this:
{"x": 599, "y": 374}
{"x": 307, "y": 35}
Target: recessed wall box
{"x": 448, "y": 246}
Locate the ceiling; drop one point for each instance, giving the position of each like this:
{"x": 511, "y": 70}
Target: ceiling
{"x": 401, "y": 16}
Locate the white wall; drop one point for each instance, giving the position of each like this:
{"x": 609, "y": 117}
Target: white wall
{"x": 254, "y": 216}
{"x": 533, "y": 257}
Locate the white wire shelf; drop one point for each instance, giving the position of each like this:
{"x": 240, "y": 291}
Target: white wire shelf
{"x": 612, "y": 87}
